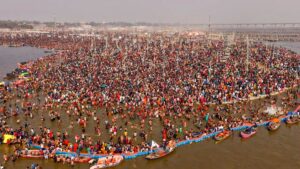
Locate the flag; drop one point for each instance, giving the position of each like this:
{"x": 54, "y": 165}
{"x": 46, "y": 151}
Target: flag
{"x": 154, "y": 144}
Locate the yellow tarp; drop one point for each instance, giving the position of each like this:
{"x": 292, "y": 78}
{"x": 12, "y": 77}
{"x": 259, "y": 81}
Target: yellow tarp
{"x": 8, "y": 137}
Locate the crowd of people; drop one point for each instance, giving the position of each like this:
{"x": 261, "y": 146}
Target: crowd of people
{"x": 133, "y": 87}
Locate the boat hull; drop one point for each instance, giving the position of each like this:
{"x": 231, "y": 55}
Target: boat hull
{"x": 103, "y": 164}
{"x": 222, "y": 136}
{"x": 245, "y": 135}
{"x": 290, "y": 121}
{"x": 32, "y": 154}
{"x": 273, "y": 126}
{"x": 159, "y": 154}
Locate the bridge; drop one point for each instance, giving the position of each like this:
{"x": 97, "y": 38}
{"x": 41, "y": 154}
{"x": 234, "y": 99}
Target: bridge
{"x": 251, "y": 25}
{"x": 259, "y": 31}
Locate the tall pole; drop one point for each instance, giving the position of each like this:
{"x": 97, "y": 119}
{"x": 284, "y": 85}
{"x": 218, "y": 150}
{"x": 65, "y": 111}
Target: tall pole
{"x": 125, "y": 57}
{"x": 247, "y": 61}
{"x": 92, "y": 41}
{"x": 106, "y": 42}
{"x": 209, "y": 25}
{"x": 209, "y": 42}
{"x": 147, "y": 48}
{"x": 117, "y": 44}
{"x": 54, "y": 26}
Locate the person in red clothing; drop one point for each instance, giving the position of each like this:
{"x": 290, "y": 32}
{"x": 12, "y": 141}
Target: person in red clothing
{"x": 164, "y": 135}
{"x": 66, "y": 142}
{"x": 75, "y": 147}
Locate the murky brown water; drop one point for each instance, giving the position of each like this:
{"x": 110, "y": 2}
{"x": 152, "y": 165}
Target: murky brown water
{"x": 280, "y": 149}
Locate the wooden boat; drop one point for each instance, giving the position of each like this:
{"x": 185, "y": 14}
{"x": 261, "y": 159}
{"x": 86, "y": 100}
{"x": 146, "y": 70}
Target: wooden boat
{"x": 291, "y": 121}
{"x": 196, "y": 134}
{"x": 32, "y": 154}
{"x": 82, "y": 159}
{"x": 248, "y": 133}
{"x": 273, "y": 126}
{"x": 109, "y": 161}
{"x": 222, "y": 136}
{"x": 160, "y": 153}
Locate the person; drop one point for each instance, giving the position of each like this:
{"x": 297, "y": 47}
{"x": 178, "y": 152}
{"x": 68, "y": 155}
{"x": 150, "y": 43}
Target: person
{"x": 5, "y": 157}
{"x": 106, "y": 162}
{"x": 33, "y": 166}
{"x": 113, "y": 160}
{"x": 171, "y": 145}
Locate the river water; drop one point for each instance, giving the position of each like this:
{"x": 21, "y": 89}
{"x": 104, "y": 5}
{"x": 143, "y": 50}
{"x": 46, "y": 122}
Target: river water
{"x": 9, "y": 57}
{"x": 276, "y": 150}
{"x": 294, "y": 46}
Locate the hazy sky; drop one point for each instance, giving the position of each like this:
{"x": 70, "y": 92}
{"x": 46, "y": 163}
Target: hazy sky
{"x": 158, "y": 11}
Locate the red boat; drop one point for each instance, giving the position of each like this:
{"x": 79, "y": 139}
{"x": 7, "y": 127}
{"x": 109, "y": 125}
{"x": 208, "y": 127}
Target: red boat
{"x": 248, "y": 133}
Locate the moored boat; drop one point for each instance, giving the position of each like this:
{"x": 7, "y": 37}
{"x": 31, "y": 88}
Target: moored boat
{"x": 197, "y": 134}
{"x": 248, "y": 132}
{"x": 109, "y": 161}
{"x": 291, "y": 120}
{"x": 274, "y": 124}
{"x": 82, "y": 159}
{"x": 32, "y": 154}
{"x": 222, "y": 136}
{"x": 160, "y": 153}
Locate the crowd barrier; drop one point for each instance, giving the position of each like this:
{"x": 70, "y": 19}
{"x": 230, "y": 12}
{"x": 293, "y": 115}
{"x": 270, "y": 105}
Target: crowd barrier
{"x": 128, "y": 156}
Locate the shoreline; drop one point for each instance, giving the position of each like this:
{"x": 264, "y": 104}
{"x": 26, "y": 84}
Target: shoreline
{"x": 11, "y": 72}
